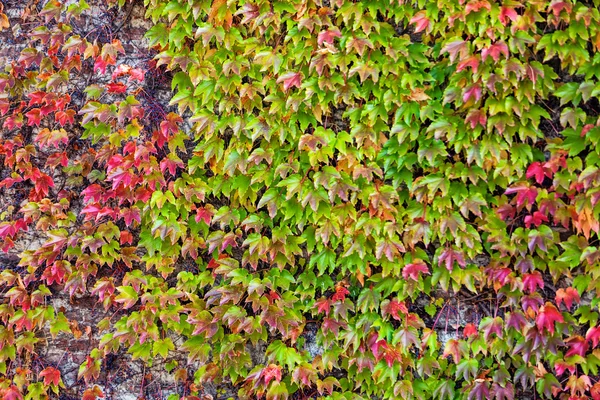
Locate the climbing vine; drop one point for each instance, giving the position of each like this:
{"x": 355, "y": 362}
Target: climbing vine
{"x": 345, "y": 200}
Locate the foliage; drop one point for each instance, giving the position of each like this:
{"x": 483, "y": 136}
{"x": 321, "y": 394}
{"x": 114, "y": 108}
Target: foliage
{"x": 349, "y": 163}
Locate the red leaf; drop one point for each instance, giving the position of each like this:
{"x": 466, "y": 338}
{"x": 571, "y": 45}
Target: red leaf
{"x": 376, "y": 345}
{"x": 125, "y": 237}
{"x": 568, "y": 296}
{"x": 304, "y": 374}
{"x": 506, "y": 211}
{"x": 130, "y": 215}
{"x": 12, "y": 393}
{"x": 102, "y": 62}
{"x": 495, "y": 51}
{"x": 136, "y": 74}
{"x": 454, "y": 49}
{"x": 51, "y": 376}
{"x": 532, "y": 281}
{"x": 490, "y": 325}
{"x": 392, "y": 307}
{"x": 119, "y": 176}
{"x": 328, "y": 36}
{"x": 536, "y": 219}
{"x": 103, "y": 288}
{"x": 271, "y": 372}
{"x": 46, "y": 137}
{"x": 472, "y": 62}
{"x": 170, "y": 124}
{"x": 36, "y": 98}
{"x": 332, "y": 325}
{"x": 202, "y": 214}
{"x": 392, "y": 354}
{"x": 4, "y": 106}
{"x": 13, "y": 121}
{"x": 533, "y": 301}
{"x": 93, "y": 394}
{"x": 449, "y": 256}
{"x": 30, "y": 56}
{"x": 412, "y": 270}
{"x": 34, "y": 117}
{"x": 7, "y": 229}
{"x": 577, "y": 346}
{"x": 593, "y": 334}
{"x": 56, "y": 159}
{"x": 323, "y": 306}
{"x": 421, "y": 21}
{"x": 382, "y": 349}
{"x": 525, "y": 194}
{"x": 536, "y": 170}
{"x": 170, "y": 165}
{"x": 470, "y": 330}
{"x": 93, "y": 192}
{"x": 122, "y": 69}
{"x": 558, "y": 6}
{"x": 473, "y": 92}
{"x": 476, "y": 117}
{"x": 516, "y": 320}
{"x": 453, "y": 348}
{"x": 249, "y": 11}
{"x": 340, "y": 293}
{"x": 291, "y": 79}
{"x": 547, "y": 317}
{"x": 560, "y": 368}
{"x": 43, "y": 185}
{"x": 62, "y": 101}
{"x": 117, "y": 87}
{"x": 507, "y": 13}
{"x": 48, "y": 108}
{"x": 65, "y": 117}
{"x": 595, "y": 391}
{"x": 475, "y": 6}
{"x": 55, "y": 273}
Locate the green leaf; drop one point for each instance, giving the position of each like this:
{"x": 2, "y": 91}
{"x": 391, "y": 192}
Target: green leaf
{"x": 162, "y": 347}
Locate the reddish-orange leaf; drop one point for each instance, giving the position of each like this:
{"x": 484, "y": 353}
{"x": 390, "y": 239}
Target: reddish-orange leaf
{"x": 136, "y": 74}
{"x": 36, "y": 98}
{"x": 328, "y": 36}
{"x": 532, "y": 281}
{"x": 414, "y": 270}
{"x": 392, "y": 307}
{"x": 46, "y": 137}
{"x": 34, "y": 117}
{"x": 12, "y": 393}
{"x": 323, "y": 306}
{"x": 421, "y": 21}
{"x": 577, "y": 346}
{"x": 568, "y": 296}
{"x": 547, "y": 316}
{"x": 271, "y": 372}
{"x": 51, "y": 376}
{"x": 93, "y": 394}
{"x": 340, "y": 293}
{"x": 494, "y": 51}
{"x": 65, "y": 117}
{"x": 593, "y": 334}
{"x": 291, "y": 79}
{"x": 506, "y": 14}
{"x": 116, "y": 87}
{"x": 470, "y": 330}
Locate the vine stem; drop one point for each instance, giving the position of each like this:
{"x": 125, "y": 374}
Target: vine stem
{"x": 439, "y": 315}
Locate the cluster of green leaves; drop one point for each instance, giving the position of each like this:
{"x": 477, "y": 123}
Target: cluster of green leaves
{"x": 348, "y": 162}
